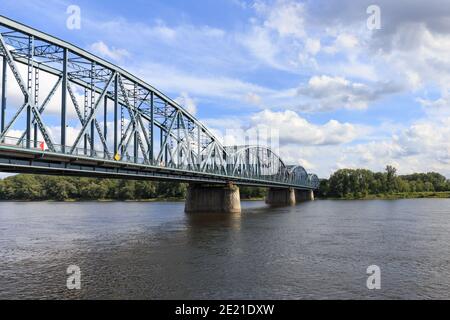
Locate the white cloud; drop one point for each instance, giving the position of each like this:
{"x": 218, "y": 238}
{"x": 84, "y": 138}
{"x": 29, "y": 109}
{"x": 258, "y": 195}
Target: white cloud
{"x": 343, "y": 42}
{"x": 278, "y": 38}
{"x": 331, "y": 93}
{"x": 439, "y": 107}
{"x": 253, "y": 98}
{"x": 323, "y": 148}
{"x": 294, "y": 129}
{"x": 410, "y": 48}
{"x": 175, "y": 80}
{"x": 187, "y": 103}
{"x": 295, "y": 139}
{"x": 422, "y": 147}
{"x": 163, "y": 31}
{"x": 312, "y": 46}
{"x": 285, "y": 17}
{"x": 240, "y": 3}
{"x": 112, "y": 53}
{"x": 263, "y": 47}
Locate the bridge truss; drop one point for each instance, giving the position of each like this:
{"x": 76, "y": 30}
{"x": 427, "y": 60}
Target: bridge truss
{"x": 97, "y": 119}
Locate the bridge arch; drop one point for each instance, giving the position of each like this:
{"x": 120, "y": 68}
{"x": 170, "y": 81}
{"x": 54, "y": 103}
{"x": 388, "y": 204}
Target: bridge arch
{"x": 298, "y": 175}
{"x": 256, "y": 162}
{"x": 313, "y": 181}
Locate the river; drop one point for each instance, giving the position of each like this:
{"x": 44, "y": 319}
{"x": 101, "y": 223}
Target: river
{"x": 316, "y": 250}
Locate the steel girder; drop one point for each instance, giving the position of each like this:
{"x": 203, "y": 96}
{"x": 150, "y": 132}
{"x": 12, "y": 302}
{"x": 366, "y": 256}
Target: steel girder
{"x": 114, "y": 116}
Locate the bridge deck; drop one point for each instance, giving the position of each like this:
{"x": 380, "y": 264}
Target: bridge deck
{"x": 19, "y": 160}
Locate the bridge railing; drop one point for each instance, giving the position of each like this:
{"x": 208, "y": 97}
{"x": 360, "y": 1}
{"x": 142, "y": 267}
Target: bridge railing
{"x": 250, "y": 173}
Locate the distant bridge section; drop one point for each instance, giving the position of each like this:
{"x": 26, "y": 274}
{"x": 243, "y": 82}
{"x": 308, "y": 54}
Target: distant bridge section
{"x": 68, "y": 112}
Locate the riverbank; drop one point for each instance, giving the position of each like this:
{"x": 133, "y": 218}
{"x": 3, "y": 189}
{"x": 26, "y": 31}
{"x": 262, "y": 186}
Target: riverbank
{"x": 24, "y": 187}
{"x": 100, "y": 200}
{"x": 155, "y": 200}
{"x": 397, "y": 196}
{"x": 393, "y": 196}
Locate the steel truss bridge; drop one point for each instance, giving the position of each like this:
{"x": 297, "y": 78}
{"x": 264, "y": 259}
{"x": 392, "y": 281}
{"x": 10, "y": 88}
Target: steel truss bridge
{"x": 123, "y": 127}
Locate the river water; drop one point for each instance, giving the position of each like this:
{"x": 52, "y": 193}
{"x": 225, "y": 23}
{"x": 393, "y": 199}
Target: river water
{"x": 316, "y": 250}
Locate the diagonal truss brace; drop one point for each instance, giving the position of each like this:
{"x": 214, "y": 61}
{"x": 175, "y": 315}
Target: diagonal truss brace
{"x": 23, "y": 88}
{"x": 186, "y": 145}
{"x": 134, "y": 123}
{"x": 81, "y": 118}
{"x": 92, "y": 115}
{"x": 44, "y": 105}
{"x": 166, "y": 139}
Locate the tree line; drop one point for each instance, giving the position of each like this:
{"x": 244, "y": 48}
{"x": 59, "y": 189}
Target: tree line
{"x": 27, "y": 187}
{"x": 345, "y": 183}
{"x": 360, "y": 183}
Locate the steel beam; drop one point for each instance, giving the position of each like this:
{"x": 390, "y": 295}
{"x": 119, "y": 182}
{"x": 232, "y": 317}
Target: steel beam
{"x": 11, "y": 24}
{"x": 152, "y": 130}
{"x": 42, "y": 108}
{"x": 29, "y": 88}
{"x": 64, "y": 102}
{"x": 116, "y": 115}
{"x": 105, "y": 122}
{"x": 92, "y": 115}
{"x": 4, "y": 86}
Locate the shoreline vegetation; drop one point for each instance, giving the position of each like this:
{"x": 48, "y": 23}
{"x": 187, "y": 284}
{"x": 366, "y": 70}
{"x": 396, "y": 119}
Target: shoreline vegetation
{"x": 156, "y": 200}
{"x": 395, "y": 196}
{"x": 362, "y": 184}
{"x": 345, "y": 184}
{"x": 28, "y": 187}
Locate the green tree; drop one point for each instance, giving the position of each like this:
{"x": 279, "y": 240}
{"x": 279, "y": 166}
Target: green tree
{"x": 171, "y": 190}
{"x": 126, "y": 190}
{"x": 22, "y": 187}
{"x": 391, "y": 179}
{"x": 145, "y": 190}
{"x": 59, "y": 188}
{"x": 350, "y": 183}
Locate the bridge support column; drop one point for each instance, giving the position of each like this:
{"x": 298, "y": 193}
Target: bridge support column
{"x": 304, "y": 195}
{"x": 280, "y": 197}
{"x": 213, "y": 199}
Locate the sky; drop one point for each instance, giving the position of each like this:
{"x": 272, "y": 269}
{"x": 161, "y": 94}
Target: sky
{"x": 341, "y": 91}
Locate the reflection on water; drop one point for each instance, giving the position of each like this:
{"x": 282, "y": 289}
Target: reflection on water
{"x": 316, "y": 250}
{"x": 205, "y": 220}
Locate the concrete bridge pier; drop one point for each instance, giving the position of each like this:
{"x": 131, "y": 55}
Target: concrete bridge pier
{"x": 304, "y": 195}
{"x": 213, "y": 199}
{"x": 280, "y": 197}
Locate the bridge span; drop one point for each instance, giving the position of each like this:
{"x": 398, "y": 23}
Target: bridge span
{"x": 66, "y": 111}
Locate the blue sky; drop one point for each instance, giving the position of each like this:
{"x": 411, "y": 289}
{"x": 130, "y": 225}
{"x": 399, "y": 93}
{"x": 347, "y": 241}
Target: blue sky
{"x": 339, "y": 94}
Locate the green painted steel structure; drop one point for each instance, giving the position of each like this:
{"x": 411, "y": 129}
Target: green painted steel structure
{"x": 125, "y": 127}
